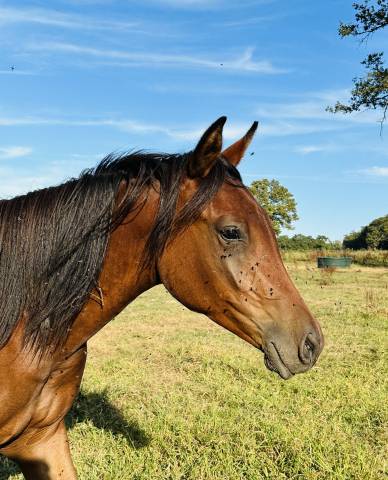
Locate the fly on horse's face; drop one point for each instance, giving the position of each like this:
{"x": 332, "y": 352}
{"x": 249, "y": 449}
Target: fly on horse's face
{"x": 227, "y": 265}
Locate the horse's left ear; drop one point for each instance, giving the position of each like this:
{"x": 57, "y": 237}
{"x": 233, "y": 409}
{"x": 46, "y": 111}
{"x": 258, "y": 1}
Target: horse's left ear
{"x": 207, "y": 151}
{"x": 235, "y": 152}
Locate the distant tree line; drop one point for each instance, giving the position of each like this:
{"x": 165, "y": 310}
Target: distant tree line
{"x": 374, "y": 235}
{"x": 306, "y": 242}
{"x": 280, "y": 205}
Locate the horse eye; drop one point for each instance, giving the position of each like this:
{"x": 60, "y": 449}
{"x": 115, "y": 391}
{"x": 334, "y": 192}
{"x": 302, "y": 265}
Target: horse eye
{"x": 230, "y": 233}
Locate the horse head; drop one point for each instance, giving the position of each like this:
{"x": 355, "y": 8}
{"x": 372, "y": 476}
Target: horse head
{"x": 227, "y": 264}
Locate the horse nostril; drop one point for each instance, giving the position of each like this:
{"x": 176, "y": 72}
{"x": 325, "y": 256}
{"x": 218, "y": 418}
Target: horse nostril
{"x": 308, "y": 350}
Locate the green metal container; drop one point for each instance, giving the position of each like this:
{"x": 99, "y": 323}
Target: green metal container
{"x": 334, "y": 262}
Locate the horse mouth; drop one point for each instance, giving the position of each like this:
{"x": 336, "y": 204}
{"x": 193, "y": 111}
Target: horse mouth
{"x": 274, "y": 362}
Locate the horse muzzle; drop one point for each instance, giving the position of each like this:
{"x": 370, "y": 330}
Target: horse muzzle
{"x": 287, "y": 360}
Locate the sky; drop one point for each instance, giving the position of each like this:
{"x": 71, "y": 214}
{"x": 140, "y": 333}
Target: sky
{"x": 82, "y": 78}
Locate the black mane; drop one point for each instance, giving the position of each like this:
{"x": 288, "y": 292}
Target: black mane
{"x": 53, "y": 241}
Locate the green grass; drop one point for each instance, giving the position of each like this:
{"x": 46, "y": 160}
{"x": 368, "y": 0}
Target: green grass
{"x": 168, "y": 395}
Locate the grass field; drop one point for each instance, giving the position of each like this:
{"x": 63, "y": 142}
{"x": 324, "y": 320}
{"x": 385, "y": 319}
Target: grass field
{"x": 168, "y": 395}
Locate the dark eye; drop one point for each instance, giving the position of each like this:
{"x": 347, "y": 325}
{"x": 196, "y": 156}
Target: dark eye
{"x": 230, "y": 233}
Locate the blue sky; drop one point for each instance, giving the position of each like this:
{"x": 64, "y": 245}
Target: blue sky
{"x": 93, "y": 77}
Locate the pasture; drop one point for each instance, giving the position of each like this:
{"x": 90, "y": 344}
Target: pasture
{"x": 168, "y": 395}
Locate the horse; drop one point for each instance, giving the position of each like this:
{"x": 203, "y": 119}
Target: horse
{"x": 74, "y": 255}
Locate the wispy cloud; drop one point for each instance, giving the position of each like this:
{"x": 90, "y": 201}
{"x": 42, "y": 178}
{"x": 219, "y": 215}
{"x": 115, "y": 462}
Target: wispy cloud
{"x": 188, "y": 3}
{"x": 14, "y": 152}
{"x": 249, "y": 21}
{"x": 270, "y": 128}
{"x": 376, "y": 171}
{"x": 308, "y": 149}
{"x": 210, "y": 4}
{"x": 59, "y": 19}
{"x": 12, "y": 184}
{"x": 310, "y": 116}
{"x": 190, "y": 133}
{"x": 16, "y": 72}
{"x": 298, "y": 110}
{"x": 18, "y": 179}
{"x": 314, "y": 108}
{"x": 280, "y": 128}
{"x": 244, "y": 62}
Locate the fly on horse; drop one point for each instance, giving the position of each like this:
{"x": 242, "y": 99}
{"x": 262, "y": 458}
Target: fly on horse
{"x": 73, "y": 256}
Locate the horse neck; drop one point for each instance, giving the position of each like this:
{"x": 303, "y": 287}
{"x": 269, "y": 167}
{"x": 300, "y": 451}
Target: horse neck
{"x": 121, "y": 280}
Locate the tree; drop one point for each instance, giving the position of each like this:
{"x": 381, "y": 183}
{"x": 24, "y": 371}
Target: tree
{"x": 355, "y": 240}
{"x": 277, "y": 200}
{"x": 374, "y": 235}
{"x": 377, "y": 233}
{"x": 371, "y": 90}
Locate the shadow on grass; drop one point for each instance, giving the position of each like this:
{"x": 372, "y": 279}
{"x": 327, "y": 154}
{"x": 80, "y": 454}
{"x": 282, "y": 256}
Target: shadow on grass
{"x": 96, "y": 409}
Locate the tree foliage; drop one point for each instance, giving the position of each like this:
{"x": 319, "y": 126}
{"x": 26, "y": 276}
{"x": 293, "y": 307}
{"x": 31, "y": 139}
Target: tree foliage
{"x": 369, "y": 18}
{"x": 371, "y": 90}
{"x": 374, "y": 235}
{"x": 306, "y": 242}
{"x": 277, "y": 200}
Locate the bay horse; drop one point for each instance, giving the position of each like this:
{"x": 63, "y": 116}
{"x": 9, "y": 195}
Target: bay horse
{"x": 73, "y": 256}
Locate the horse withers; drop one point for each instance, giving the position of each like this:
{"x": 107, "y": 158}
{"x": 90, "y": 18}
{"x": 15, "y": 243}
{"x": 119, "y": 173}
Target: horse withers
{"x": 73, "y": 256}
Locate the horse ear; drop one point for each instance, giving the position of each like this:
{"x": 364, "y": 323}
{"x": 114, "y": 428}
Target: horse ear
{"x": 235, "y": 152}
{"x": 207, "y": 151}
